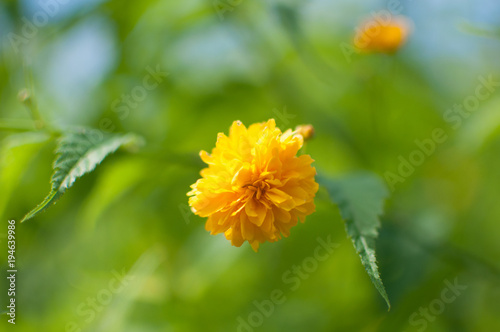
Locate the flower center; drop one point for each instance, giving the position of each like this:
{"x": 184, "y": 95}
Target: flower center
{"x": 258, "y": 188}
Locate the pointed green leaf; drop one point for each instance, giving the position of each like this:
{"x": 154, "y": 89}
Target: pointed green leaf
{"x": 360, "y": 198}
{"x": 77, "y": 154}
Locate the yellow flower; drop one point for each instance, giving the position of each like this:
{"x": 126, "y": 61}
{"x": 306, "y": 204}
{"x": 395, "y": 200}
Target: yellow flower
{"x": 382, "y": 34}
{"x": 307, "y": 131}
{"x": 255, "y": 187}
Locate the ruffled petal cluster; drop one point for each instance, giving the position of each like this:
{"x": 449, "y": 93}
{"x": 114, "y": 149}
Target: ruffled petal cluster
{"x": 255, "y": 187}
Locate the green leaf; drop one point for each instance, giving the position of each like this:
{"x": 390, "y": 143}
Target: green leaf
{"x": 79, "y": 153}
{"x": 360, "y": 198}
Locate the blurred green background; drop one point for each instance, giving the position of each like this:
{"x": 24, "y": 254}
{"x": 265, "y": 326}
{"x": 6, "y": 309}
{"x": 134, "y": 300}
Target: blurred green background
{"x": 249, "y": 61}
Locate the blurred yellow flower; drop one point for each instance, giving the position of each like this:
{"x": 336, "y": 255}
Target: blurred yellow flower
{"x": 307, "y": 131}
{"x": 384, "y": 34}
{"x": 255, "y": 187}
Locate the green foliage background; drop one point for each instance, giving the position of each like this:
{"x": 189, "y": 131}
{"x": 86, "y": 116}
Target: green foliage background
{"x": 259, "y": 60}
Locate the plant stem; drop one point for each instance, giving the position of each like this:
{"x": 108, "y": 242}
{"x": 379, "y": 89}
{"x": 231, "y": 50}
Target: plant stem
{"x": 17, "y": 125}
{"x": 26, "y": 97}
{"x": 23, "y": 126}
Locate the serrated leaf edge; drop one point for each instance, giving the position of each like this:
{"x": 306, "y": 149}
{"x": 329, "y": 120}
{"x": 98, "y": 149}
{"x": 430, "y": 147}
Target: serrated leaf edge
{"x": 56, "y": 193}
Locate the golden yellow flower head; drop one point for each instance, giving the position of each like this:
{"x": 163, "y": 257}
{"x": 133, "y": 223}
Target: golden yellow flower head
{"x": 255, "y": 187}
{"x": 384, "y": 34}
